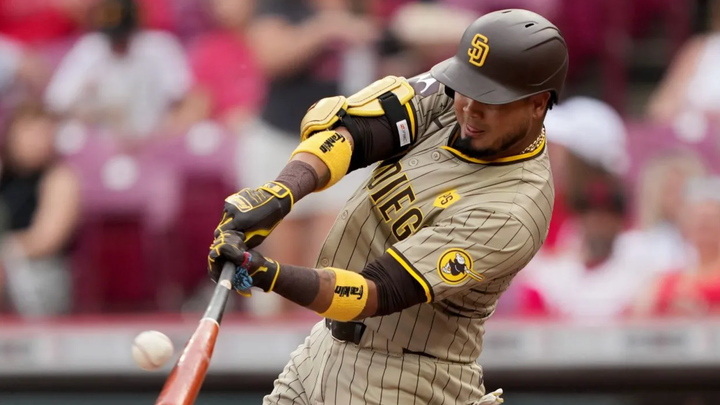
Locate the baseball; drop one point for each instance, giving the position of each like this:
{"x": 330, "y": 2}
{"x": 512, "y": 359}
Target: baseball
{"x": 151, "y": 350}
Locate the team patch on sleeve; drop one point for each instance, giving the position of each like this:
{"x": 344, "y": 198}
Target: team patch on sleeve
{"x": 455, "y": 266}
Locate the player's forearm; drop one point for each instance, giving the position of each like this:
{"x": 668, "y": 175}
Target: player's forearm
{"x": 383, "y": 287}
{"x": 319, "y": 290}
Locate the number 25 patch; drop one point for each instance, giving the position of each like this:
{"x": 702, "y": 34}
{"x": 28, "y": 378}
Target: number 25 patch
{"x": 446, "y": 199}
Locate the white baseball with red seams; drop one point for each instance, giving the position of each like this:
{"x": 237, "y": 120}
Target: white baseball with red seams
{"x": 152, "y": 349}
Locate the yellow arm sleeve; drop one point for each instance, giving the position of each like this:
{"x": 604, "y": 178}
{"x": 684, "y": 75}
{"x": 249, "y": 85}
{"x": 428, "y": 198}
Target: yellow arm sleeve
{"x": 349, "y": 296}
{"x": 333, "y": 149}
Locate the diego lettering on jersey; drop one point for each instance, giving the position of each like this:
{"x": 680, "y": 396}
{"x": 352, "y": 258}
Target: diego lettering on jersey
{"x": 330, "y": 142}
{"x": 392, "y": 194}
{"x": 348, "y": 291}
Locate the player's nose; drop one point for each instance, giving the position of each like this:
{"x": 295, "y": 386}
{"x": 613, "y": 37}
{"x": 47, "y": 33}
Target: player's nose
{"x": 474, "y": 109}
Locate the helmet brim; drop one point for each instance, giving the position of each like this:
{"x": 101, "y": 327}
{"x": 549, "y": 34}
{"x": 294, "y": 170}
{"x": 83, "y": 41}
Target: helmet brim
{"x": 459, "y": 76}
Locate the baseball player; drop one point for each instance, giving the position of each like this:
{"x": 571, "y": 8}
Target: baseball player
{"x": 458, "y": 204}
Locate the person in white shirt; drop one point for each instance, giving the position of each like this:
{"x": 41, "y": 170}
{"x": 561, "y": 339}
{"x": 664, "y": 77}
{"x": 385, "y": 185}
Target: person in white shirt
{"x": 597, "y": 279}
{"x": 690, "y": 90}
{"x": 659, "y": 205}
{"x": 128, "y": 79}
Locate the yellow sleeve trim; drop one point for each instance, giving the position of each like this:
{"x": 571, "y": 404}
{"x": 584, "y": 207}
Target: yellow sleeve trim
{"x": 413, "y": 130}
{"x": 509, "y": 159}
{"x": 277, "y": 273}
{"x": 350, "y": 296}
{"x": 279, "y": 190}
{"x": 410, "y": 269}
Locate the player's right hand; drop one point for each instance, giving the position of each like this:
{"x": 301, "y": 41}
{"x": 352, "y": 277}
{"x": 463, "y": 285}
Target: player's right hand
{"x": 255, "y": 212}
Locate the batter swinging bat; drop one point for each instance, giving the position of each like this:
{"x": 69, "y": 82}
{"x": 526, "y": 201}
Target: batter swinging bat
{"x": 186, "y": 379}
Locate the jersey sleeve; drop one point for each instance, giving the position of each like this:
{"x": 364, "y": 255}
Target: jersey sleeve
{"x": 465, "y": 251}
{"x": 431, "y": 104}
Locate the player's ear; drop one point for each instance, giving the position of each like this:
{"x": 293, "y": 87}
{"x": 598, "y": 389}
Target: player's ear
{"x": 539, "y": 103}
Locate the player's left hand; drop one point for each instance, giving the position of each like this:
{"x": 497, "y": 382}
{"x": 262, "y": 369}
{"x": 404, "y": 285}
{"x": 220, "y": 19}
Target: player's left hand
{"x": 255, "y": 212}
{"x": 227, "y": 246}
{"x": 253, "y": 269}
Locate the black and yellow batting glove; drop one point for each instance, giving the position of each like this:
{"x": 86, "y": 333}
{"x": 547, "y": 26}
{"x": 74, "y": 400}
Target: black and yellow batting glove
{"x": 252, "y": 268}
{"x": 227, "y": 246}
{"x": 255, "y": 271}
{"x": 255, "y": 212}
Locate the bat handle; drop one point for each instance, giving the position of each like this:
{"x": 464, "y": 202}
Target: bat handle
{"x": 216, "y": 307}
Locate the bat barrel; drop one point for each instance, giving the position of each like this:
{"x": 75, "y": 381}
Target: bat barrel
{"x": 186, "y": 378}
{"x": 183, "y": 384}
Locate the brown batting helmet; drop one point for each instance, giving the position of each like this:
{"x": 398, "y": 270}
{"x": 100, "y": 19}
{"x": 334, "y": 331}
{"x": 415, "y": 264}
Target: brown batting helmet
{"x": 505, "y": 56}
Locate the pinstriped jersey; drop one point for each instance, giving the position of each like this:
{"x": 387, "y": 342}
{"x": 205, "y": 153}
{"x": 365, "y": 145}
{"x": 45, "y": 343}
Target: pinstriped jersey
{"x": 462, "y": 227}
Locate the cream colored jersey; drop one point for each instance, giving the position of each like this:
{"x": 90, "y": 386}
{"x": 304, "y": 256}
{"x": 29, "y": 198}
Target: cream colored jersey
{"x": 462, "y": 227}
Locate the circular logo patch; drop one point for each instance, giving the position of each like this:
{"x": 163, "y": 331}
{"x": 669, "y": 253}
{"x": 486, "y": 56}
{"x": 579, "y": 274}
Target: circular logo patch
{"x": 454, "y": 266}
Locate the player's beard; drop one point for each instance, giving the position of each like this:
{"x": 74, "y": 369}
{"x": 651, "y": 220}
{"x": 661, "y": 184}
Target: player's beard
{"x": 508, "y": 140}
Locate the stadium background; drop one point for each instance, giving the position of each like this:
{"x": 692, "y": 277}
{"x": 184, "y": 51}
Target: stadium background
{"x": 135, "y": 152}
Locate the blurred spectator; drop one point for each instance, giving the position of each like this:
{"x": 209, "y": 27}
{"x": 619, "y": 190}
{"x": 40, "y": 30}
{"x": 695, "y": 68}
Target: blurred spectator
{"x": 385, "y": 10}
{"x": 587, "y": 143}
{"x": 693, "y": 290}
{"x": 158, "y": 14}
{"x": 20, "y": 70}
{"x": 301, "y": 47}
{"x": 40, "y": 202}
{"x": 659, "y": 197}
{"x": 40, "y": 22}
{"x": 11, "y": 56}
{"x": 585, "y": 136}
{"x": 591, "y": 129}
{"x": 597, "y": 278}
{"x": 123, "y": 77}
{"x": 521, "y": 300}
{"x": 429, "y": 31}
{"x": 692, "y": 83}
{"x": 224, "y": 66}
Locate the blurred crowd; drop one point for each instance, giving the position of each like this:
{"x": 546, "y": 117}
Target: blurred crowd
{"x": 125, "y": 124}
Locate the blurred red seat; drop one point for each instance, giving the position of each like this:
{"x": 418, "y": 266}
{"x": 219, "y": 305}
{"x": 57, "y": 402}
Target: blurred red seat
{"x": 203, "y": 160}
{"x": 127, "y": 202}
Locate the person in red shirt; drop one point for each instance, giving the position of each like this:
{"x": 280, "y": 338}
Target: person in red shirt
{"x": 696, "y": 290}
{"x": 39, "y": 22}
{"x": 224, "y": 66}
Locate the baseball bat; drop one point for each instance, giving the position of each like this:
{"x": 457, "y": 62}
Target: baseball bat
{"x": 187, "y": 376}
